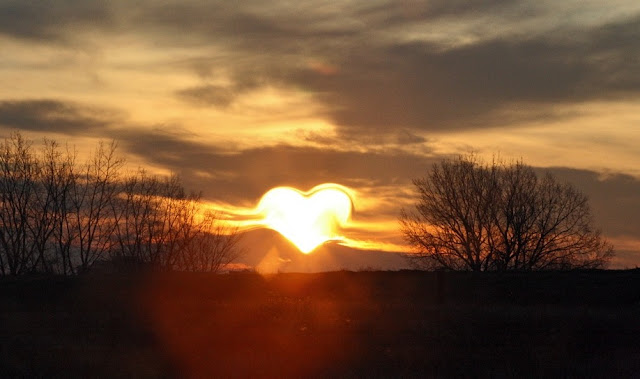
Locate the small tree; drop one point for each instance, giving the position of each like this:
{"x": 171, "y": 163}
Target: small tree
{"x": 498, "y": 216}
{"x": 49, "y": 208}
{"x": 211, "y": 245}
{"x": 87, "y": 228}
{"x": 159, "y": 224}
{"x": 19, "y": 172}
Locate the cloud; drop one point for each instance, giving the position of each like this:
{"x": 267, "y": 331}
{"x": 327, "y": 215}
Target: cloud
{"x": 393, "y": 82}
{"x": 345, "y": 139}
{"x": 246, "y": 174}
{"x": 242, "y": 176}
{"x": 376, "y": 68}
{"x": 221, "y": 169}
{"x": 209, "y": 95}
{"x": 613, "y": 199}
{"x": 51, "y": 20}
{"x": 499, "y": 82}
{"x": 56, "y": 116}
{"x": 224, "y": 172}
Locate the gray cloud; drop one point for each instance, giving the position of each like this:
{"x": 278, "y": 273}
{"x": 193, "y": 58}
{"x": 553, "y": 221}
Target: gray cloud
{"x": 614, "y": 199}
{"x": 615, "y": 206}
{"x": 247, "y": 174}
{"x": 404, "y": 11}
{"x": 48, "y": 115}
{"x": 253, "y": 25}
{"x": 373, "y": 80}
{"x": 345, "y": 139}
{"x": 491, "y": 83}
{"x": 376, "y": 85}
{"x": 51, "y": 20}
{"x": 209, "y": 95}
{"x": 221, "y": 170}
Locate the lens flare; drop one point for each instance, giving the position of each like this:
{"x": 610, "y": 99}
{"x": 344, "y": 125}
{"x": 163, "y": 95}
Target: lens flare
{"x": 307, "y": 219}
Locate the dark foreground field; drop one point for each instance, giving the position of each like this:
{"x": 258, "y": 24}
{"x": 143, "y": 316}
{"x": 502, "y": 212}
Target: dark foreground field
{"x": 364, "y": 324}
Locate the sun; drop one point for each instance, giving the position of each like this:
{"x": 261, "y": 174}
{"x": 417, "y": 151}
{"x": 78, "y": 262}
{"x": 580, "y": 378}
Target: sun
{"x": 307, "y": 219}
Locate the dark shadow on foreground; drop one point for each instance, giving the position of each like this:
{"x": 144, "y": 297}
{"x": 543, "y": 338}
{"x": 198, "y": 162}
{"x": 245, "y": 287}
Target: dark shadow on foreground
{"x": 364, "y": 324}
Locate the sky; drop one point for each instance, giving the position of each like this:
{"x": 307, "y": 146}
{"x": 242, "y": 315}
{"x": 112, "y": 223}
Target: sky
{"x": 241, "y": 97}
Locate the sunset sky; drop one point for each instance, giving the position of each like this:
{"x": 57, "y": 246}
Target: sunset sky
{"x": 238, "y": 98}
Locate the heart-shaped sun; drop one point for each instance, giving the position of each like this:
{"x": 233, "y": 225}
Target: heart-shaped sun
{"x": 307, "y": 219}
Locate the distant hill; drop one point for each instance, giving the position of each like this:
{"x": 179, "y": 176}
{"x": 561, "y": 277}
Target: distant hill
{"x": 268, "y": 251}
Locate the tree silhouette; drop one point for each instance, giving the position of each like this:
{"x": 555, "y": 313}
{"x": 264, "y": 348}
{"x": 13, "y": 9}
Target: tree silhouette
{"x": 19, "y": 193}
{"x": 58, "y": 216}
{"x": 155, "y": 217}
{"x": 159, "y": 224}
{"x": 476, "y": 216}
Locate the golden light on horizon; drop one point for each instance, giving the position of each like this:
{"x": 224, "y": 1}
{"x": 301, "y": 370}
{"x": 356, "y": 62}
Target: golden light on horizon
{"x": 307, "y": 219}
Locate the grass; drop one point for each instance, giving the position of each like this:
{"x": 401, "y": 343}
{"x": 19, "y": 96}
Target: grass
{"x": 346, "y": 324}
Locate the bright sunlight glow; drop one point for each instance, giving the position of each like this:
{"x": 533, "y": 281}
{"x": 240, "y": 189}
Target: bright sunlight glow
{"x": 307, "y": 219}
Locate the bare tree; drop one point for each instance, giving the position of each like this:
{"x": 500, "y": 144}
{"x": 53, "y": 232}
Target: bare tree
{"x": 33, "y": 188}
{"x": 18, "y": 173}
{"x": 211, "y": 246}
{"x": 148, "y": 219}
{"x": 86, "y": 232}
{"x": 58, "y": 216}
{"x": 159, "y": 224}
{"x": 498, "y": 216}
{"x": 49, "y": 207}
{"x": 65, "y": 233}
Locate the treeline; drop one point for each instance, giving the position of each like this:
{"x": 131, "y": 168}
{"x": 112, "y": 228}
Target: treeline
{"x": 61, "y": 215}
